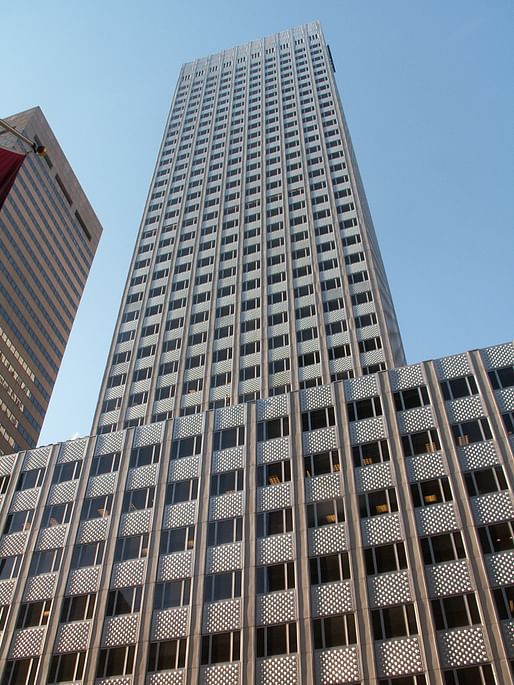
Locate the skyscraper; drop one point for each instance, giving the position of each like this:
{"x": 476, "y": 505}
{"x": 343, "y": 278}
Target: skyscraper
{"x": 257, "y": 269}
{"x": 269, "y": 495}
{"x": 49, "y": 234}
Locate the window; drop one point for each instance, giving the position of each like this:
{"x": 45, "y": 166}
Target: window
{"x": 220, "y": 586}
{"x": 468, "y": 432}
{"x": 278, "y": 341}
{"x": 90, "y": 554}
{"x": 181, "y": 491}
{"x": 364, "y": 409}
{"x": 508, "y": 420}
{"x": 325, "y": 513}
{"x": 4, "y": 482}
{"x": 279, "y": 365}
{"x": 10, "y": 566}
{"x": 385, "y": 558}
{"x": 420, "y": 443}
{"x": 318, "y": 418}
{"x": 115, "y": 661}
{"x": 106, "y": 463}
{"x": 165, "y": 655}
{"x": 412, "y": 398}
{"x": 439, "y": 548}
{"x": 45, "y": 561}
{"x": 370, "y": 453}
{"x": 274, "y": 428}
{"x": 174, "y": 593}
{"x": 377, "y": 502}
{"x": 249, "y": 372}
{"x": 428, "y": 492}
{"x": 65, "y": 668}
{"x": 274, "y": 578}
{"x": 220, "y": 647}
{"x": 96, "y": 508}
{"x": 334, "y": 631}
{"x": 177, "y": 540}
{"x": 329, "y": 569}
{"x": 131, "y": 547}
{"x": 232, "y": 437}
{"x": 30, "y": 479}
{"x": 502, "y": 378}
{"x": 187, "y": 447}
{"x": 323, "y": 462}
{"x": 20, "y": 672}
{"x": 280, "y": 639}
{"x": 459, "y": 387}
{"x": 486, "y": 480}
{"x": 496, "y": 538}
{"x": 78, "y": 608}
{"x": 221, "y": 483}
{"x": 126, "y": 600}
{"x": 274, "y": 522}
{"x": 472, "y": 675}
{"x": 34, "y": 614}
{"x": 454, "y": 612}
{"x": 504, "y": 599}
{"x": 56, "y": 514}
{"x": 404, "y": 680}
{"x": 136, "y": 500}
{"x": 142, "y": 456}
{"x": 309, "y": 358}
{"x": 370, "y": 344}
{"x": 223, "y": 532}
{"x": 68, "y": 471}
{"x": 18, "y": 521}
{"x": 274, "y": 473}
{"x": 396, "y": 621}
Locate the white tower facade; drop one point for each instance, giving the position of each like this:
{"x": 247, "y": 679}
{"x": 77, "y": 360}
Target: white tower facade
{"x": 256, "y": 270}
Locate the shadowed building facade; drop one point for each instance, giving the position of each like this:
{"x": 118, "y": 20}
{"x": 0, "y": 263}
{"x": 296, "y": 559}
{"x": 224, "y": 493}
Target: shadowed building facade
{"x": 270, "y": 495}
{"x": 49, "y": 234}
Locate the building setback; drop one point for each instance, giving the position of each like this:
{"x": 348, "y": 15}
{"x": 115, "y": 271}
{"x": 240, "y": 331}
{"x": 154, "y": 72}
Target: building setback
{"x": 269, "y": 495}
{"x": 48, "y": 238}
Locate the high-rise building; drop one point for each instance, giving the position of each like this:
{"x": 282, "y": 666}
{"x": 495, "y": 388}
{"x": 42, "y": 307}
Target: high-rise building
{"x": 48, "y": 238}
{"x": 256, "y": 270}
{"x": 270, "y": 495}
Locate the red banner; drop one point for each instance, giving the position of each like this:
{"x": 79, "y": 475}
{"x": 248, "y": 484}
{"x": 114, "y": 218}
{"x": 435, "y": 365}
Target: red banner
{"x": 10, "y": 163}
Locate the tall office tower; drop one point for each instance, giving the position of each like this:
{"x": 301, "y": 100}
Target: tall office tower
{"x": 256, "y": 270}
{"x": 268, "y": 498}
{"x": 48, "y": 237}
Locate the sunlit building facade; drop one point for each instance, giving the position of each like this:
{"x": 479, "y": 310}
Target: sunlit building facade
{"x": 48, "y": 238}
{"x": 269, "y": 495}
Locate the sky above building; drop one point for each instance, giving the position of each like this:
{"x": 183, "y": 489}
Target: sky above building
{"x": 427, "y": 92}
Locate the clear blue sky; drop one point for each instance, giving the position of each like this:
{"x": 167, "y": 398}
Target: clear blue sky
{"x": 428, "y": 92}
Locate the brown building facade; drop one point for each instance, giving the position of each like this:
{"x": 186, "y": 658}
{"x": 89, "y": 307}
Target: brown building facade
{"x": 48, "y": 238}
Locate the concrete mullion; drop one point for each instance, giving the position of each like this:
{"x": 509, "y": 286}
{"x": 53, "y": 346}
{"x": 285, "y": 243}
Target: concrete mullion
{"x": 193, "y": 666}
{"x": 306, "y": 663}
{"x": 241, "y": 225}
{"x": 362, "y": 613}
{"x": 248, "y": 582}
